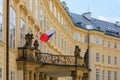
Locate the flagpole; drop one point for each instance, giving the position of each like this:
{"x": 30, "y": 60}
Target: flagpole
{"x": 7, "y": 39}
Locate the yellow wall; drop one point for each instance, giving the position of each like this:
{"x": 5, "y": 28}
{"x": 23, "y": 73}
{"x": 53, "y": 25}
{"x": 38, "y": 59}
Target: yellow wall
{"x": 62, "y": 32}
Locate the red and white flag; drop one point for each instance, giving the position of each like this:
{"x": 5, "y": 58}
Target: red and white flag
{"x": 46, "y": 36}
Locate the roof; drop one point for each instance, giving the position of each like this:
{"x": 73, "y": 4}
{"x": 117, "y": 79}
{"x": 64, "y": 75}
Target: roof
{"x": 95, "y": 24}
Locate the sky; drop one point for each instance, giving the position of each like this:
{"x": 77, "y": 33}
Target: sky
{"x": 107, "y": 10}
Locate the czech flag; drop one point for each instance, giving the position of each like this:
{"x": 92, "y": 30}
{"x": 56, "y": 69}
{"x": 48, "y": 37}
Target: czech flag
{"x": 46, "y": 36}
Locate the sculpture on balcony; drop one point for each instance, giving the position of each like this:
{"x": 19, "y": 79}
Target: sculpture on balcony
{"x": 36, "y": 44}
{"x": 28, "y": 38}
{"x": 86, "y": 58}
{"x": 77, "y": 51}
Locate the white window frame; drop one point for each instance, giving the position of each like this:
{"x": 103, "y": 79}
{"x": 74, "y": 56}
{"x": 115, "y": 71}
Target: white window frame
{"x": 115, "y": 45}
{"x": 50, "y": 5}
{"x": 1, "y": 21}
{"x": 103, "y": 59}
{"x": 12, "y": 29}
{"x": 109, "y": 59}
{"x": 36, "y": 10}
{"x": 109, "y": 75}
{"x": 115, "y": 60}
{"x": 109, "y": 44}
{"x": 97, "y": 74}
{"x": 55, "y": 11}
{"x": 103, "y": 75}
{"x": 41, "y": 16}
{"x": 97, "y": 39}
{"x": 115, "y": 75}
{"x": 12, "y": 75}
{"x": 30, "y": 4}
{"x": 97, "y": 57}
{"x": 76, "y": 36}
{"x": 22, "y": 32}
{"x": 0, "y": 73}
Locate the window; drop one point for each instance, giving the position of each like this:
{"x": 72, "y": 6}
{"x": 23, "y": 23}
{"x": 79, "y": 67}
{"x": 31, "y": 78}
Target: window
{"x": 97, "y": 57}
{"x": 109, "y": 75}
{"x": 41, "y": 16}
{"x": 115, "y": 75}
{"x": 109, "y": 44}
{"x": 22, "y": 32}
{"x": 103, "y": 75}
{"x": 97, "y": 74}
{"x": 58, "y": 16}
{"x": 109, "y": 59}
{"x": 51, "y": 6}
{"x": 115, "y": 45}
{"x": 102, "y": 58}
{"x": 12, "y": 27}
{"x": 0, "y": 74}
{"x": 115, "y": 60}
{"x": 62, "y": 43}
{"x": 97, "y": 40}
{"x": 55, "y": 11}
{"x": 62, "y": 20}
{"x": 12, "y": 75}
{"x": 0, "y": 28}
{"x": 44, "y": 22}
{"x": 58, "y": 41}
{"x": 36, "y": 8}
{"x": 55, "y": 39}
{"x": 30, "y": 4}
{"x": 76, "y": 36}
{"x": 89, "y": 26}
{"x": 103, "y": 43}
{"x": 1, "y": 18}
{"x": 85, "y": 38}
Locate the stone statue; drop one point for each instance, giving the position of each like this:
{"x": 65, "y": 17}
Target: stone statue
{"x": 36, "y": 44}
{"x": 28, "y": 38}
{"x": 86, "y": 57}
{"x": 77, "y": 51}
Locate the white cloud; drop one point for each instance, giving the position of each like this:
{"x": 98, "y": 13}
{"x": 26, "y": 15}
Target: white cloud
{"x": 110, "y": 19}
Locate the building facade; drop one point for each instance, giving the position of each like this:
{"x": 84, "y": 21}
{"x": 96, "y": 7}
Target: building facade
{"x": 38, "y": 16}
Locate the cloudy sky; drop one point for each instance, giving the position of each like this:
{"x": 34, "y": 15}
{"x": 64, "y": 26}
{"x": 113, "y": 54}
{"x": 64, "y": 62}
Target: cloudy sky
{"x": 107, "y": 10}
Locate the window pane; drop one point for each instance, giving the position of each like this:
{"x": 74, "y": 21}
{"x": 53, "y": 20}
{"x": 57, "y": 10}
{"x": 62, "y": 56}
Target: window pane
{"x": 51, "y": 6}
{"x": 109, "y": 75}
{"x": 22, "y": 32}
{"x": 1, "y": 6}
{"x": 0, "y": 74}
{"x": 12, "y": 27}
{"x": 97, "y": 74}
{"x": 0, "y": 28}
{"x": 30, "y": 4}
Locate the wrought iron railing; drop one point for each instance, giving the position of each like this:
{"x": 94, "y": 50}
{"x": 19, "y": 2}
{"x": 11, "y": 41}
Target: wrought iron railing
{"x": 56, "y": 59}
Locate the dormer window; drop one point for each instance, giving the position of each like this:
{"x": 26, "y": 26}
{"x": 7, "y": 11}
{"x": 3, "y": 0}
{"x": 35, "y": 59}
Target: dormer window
{"x": 89, "y": 26}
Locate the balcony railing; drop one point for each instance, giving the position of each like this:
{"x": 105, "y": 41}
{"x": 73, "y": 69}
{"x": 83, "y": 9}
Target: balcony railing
{"x": 51, "y": 59}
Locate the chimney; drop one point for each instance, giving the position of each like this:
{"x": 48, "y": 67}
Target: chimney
{"x": 87, "y": 15}
{"x": 117, "y": 23}
{"x": 64, "y": 4}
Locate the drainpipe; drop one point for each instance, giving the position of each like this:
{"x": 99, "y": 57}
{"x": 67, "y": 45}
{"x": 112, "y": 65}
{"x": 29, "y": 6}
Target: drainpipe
{"x": 7, "y": 39}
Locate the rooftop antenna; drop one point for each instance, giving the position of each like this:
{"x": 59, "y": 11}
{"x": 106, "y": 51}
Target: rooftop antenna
{"x": 88, "y": 7}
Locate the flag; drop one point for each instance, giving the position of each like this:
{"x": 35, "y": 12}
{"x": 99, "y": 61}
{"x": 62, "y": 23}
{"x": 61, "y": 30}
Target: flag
{"x": 46, "y": 36}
